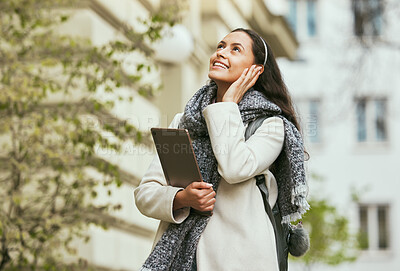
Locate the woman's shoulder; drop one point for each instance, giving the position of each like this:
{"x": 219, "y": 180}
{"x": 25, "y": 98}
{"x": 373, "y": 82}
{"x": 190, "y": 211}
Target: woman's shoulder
{"x": 272, "y": 126}
{"x": 267, "y": 121}
{"x": 273, "y": 120}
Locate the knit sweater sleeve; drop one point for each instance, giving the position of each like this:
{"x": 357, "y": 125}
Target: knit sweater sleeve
{"x": 240, "y": 160}
{"x": 154, "y": 198}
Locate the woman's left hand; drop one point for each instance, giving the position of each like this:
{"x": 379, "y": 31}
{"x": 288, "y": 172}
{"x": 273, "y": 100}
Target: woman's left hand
{"x": 246, "y": 80}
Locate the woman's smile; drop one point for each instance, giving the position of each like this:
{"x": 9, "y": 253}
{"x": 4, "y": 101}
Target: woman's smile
{"x": 219, "y": 65}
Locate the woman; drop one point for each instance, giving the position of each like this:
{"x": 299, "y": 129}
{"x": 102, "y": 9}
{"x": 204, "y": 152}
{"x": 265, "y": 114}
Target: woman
{"x": 239, "y": 234}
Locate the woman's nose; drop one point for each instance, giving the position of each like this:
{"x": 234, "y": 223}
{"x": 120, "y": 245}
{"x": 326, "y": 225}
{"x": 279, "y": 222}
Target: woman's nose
{"x": 221, "y": 53}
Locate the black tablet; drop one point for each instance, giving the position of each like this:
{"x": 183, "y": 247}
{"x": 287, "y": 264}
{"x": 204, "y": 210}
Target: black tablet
{"x": 175, "y": 150}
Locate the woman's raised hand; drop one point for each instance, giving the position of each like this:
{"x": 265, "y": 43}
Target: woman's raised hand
{"x": 198, "y": 195}
{"x": 238, "y": 88}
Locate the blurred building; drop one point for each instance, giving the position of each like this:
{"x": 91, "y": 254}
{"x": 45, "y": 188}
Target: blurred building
{"x": 345, "y": 82}
{"x": 343, "y": 75}
{"x": 184, "y": 62}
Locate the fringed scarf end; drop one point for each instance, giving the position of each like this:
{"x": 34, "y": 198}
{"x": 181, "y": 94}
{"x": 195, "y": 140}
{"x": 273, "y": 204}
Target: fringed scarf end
{"x": 291, "y": 218}
{"x": 303, "y": 207}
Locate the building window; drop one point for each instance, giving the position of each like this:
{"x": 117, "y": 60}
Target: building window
{"x": 361, "y": 120}
{"x": 292, "y": 15}
{"x": 311, "y": 18}
{"x": 380, "y": 120}
{"x": 302, "y": 17}
{"x": 374, "y": 227}
{"x": 367, "y": 17}
{"x": 371, "y": 117}
{"x": 363, "y": 217}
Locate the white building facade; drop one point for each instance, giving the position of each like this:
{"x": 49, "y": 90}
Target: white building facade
{"x": 345, "y": 83}
{"x": 128, "y": 241}
{"x": 345, "y": 92}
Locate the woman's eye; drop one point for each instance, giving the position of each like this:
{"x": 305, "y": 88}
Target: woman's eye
{"x": 220, "y": 46}
{"x": 237, "y": 49}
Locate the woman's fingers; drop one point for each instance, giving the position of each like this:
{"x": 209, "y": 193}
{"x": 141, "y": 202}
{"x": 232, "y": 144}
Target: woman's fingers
{"x": 205, "y": 194}
{"x": 248, "y": 79}
{"x": 209, "y": 195}
{"x": 206, "y": 204}
{"x": 200, "y": 185}
{"x": 242, "y": 77}
{"x": 254, "y": 78}
{"x": 246, "y": 75}
{"x": 201, "y": 196}
{"x": 251, "y": 77}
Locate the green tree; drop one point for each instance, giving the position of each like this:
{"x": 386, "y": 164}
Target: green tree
{"x": 331, "y": 242}
{"x": 46, "y": 193}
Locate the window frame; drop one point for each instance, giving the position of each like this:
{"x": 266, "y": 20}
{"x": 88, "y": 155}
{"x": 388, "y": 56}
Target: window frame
{"x": 373, "y": 227}
{"x": 315, "y": 11}
{"x": 298, "y": 18}
{"x": 371, "y": 118}
{"x": 362, "y": 10}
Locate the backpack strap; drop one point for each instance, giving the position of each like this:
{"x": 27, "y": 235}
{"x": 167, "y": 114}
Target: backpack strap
{"x": 253, "y": 126}
{"x": 281, "y": 231}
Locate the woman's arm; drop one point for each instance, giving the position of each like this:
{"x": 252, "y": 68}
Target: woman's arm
{"x": 153, "y": 197}
{"x": 239, "y": 160}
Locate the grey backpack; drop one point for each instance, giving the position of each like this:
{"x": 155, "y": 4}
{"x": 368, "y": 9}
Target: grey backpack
{"x": 289, "y": 238}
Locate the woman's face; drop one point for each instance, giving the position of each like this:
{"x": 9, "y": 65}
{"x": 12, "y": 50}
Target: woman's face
{"x": 234, "y": 54}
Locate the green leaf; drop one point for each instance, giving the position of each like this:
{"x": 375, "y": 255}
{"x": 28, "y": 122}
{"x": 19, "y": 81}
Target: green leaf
{"x": 140, "y": 67}
{"x": 93, "y": 194}
{"x": 64, "y": 18}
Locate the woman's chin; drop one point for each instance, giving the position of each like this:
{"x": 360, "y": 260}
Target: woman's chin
{"x": 217, "y": 78}
{"x": 212, "y": 75}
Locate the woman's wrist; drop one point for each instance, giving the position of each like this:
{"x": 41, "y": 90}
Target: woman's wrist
{"x": 179, "y": 200}
{"x": 230, "y": 98}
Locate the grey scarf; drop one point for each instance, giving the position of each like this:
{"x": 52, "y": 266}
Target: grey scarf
{"x": 177, "y": 246}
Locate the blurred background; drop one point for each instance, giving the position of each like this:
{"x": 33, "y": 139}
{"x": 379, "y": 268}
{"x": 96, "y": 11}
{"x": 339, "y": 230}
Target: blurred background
{"x": 82, "y": 82}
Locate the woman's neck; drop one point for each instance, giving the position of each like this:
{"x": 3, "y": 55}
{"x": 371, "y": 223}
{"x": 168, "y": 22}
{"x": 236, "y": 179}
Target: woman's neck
{"x": 221, "y": 90}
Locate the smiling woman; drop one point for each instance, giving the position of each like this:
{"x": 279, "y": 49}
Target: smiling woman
{"x": 232, "y": 57}
{"x": 245, "y": 84}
